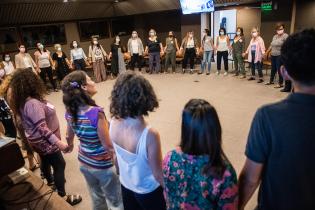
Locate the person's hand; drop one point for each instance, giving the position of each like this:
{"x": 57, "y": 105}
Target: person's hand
{"x": 53, "y": 67}
{"x": 38, "y": 70}
{"x": 69, "y": 149}
{"x": 243, "y": 55}
{"x": 62, "y": 146}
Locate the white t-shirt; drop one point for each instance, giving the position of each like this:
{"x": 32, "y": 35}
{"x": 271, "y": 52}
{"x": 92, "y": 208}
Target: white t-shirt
{"x": 27, "y": 62}
{"x": 8, "y": 67}
{"x": 134, "y": 46}
{"x": 190, "y": 43}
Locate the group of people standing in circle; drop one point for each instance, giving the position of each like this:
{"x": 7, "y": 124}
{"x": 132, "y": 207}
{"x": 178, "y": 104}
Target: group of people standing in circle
{"x": 188, "y": 50}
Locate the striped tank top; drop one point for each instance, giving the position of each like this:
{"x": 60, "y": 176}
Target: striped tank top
{"x": 91, "y": 150}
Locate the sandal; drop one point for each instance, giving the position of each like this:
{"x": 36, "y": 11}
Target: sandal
{"x": 73, "y": 199}
{"x": 36, "y": 166}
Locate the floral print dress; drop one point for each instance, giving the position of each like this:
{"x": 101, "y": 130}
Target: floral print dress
{"x": 186, "y": 188}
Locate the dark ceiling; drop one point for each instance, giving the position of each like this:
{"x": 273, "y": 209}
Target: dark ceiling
{"x": 16, "y": 12}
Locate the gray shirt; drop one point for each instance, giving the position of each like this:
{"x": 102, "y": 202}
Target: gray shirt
{"x": 276, "y": 44}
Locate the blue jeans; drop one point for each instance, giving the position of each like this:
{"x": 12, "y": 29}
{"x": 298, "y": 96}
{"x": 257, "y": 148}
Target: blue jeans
{"x": 154, "y": 58}
{"x": 275, "y": 67}
{"x": 104, "y": 188}
{"x": 206, "y": 60}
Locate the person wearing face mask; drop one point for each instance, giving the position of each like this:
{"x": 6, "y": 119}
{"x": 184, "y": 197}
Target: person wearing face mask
{"x": 117, "y": 57}
{"x": 275, "y": 49}
{"x": 222, "y": 49}
{"x": 8, "y": 64}
{"x": 171, "y": 46}
{"x": 61, "y": 62}
{"x": 135, "y": 49}
{"x": 44, "y": 64}
{"x": 154, "y": 48}
{"x": 78, "y": 58}
{"x": 256, "y": 49}
{"x": 97, "y": 56}
{"x": 207, "y": 46}
{"x": 238, "y": 47}
{"x": 190, "y": 47}
{"x": 23, "y": 60}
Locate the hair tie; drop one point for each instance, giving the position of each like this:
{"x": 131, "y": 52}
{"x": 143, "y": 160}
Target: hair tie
{"x": 74, "y": 84}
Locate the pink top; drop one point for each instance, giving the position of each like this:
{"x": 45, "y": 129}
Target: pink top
{"x": 260, "y": 49}
{"x": 41, "y": 126}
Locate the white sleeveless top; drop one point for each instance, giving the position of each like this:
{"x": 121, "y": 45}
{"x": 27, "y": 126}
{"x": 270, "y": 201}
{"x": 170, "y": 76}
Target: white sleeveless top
{"x": 222, "y": 44}
{"x": 135, "y": 172}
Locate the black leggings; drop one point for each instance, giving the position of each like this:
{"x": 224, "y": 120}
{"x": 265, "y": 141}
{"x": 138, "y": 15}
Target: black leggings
{"x": 149, "y": 201}
{"x": 136, "y": 58}
{"x": 58, "y": 164}
{"x": 225, "y": 55}
{"x": 190, "y": 54}
{"x": 47, "y": 71}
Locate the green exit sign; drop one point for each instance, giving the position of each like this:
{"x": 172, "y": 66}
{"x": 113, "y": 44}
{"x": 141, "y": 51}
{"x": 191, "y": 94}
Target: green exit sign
{"x": 266, "y": 6}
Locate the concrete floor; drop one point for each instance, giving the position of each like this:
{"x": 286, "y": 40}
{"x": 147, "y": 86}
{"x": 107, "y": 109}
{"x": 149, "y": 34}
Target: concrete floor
{"x": 236, "y": 101}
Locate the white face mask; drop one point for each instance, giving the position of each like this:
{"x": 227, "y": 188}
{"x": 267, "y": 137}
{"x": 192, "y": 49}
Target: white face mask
{"x": 95, "y": 42}
{"x": 117, "y": 40}
{"x": 190, "y": 35}
{"x": 238, "y": 33}
{"x": 75, "y": 45}
{"x": 255, "y": 34}
{"x": 22, "y": 49}
{"x": 134, "y": 35}
{"x": 41, "y": 46}
{"x": 151, "y": 33}
{"x": 59, "y": 49}
{"x": 7, "y": 59}
{"x": 280, "y": 31}
{"x": 221, "y": 33}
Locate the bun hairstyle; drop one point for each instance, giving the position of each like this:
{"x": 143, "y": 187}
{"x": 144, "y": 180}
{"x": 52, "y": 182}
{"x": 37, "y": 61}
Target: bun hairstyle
{"x": 74, "y": 96}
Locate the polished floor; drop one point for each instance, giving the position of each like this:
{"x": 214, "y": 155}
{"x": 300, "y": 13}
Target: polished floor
{"x": 236, "y": 101}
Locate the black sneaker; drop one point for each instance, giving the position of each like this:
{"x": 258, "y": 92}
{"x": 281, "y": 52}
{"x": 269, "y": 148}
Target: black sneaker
{"x": 207, "y": 73}
{"x": 251, "y": 79}
{"x": 260, "y": 81}
{"x": 269, "y": 83}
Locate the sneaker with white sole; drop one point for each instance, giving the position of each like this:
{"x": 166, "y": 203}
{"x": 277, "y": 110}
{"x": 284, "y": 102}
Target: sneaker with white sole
{"x": 217, "y": 73}
{"x": 225, "y": 73}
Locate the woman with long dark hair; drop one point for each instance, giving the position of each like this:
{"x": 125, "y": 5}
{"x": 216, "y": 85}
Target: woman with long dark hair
{"x": 189, "y": 47}
{"x": 97, "y": 56}
{"x": 38, "y": 118}
{"x": 87, "y": 121}
{"x": 117, "y": 57}
{"x": 198, "y": 175}
{"x": 222, "y": 49}
{"x": 44, "y": 64}
{"x": 238, "y": 47}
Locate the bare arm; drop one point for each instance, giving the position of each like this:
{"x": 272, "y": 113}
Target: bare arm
{"x": 103, "y": 132}
{"x": 176, "y": 44}
{"x": 70, "y": 138}
{"x": 155, "y": 155}
{"x": 2, "y": 129}
{"x": 249, "y": 180}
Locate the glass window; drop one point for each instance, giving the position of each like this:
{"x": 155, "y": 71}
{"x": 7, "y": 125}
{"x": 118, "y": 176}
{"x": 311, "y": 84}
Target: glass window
{"x": 123, "y": 26}
{"x": 45, "y": 34}
{"x": 91, "y": 28}
{"x": 8, "y": 39}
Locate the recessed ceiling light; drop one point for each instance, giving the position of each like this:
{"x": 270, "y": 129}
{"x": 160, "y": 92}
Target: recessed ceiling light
{"x": 116, "y": 1}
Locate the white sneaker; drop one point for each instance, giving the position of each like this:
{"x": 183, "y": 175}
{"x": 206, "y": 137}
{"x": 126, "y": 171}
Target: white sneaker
{"x": 225, "y": 73}
{"x": 217, "y": 73}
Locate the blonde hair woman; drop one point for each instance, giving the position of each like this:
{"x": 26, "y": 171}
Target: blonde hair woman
{"x": 256, "y": 49}
{"x": 189, "y": 47}
{"x": 154, "y": 48}
{"x": 61, "y": 62}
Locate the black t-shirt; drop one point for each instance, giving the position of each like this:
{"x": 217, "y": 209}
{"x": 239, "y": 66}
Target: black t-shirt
{"x": 154, "y": 46}
{"x": 282, "y": 137}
